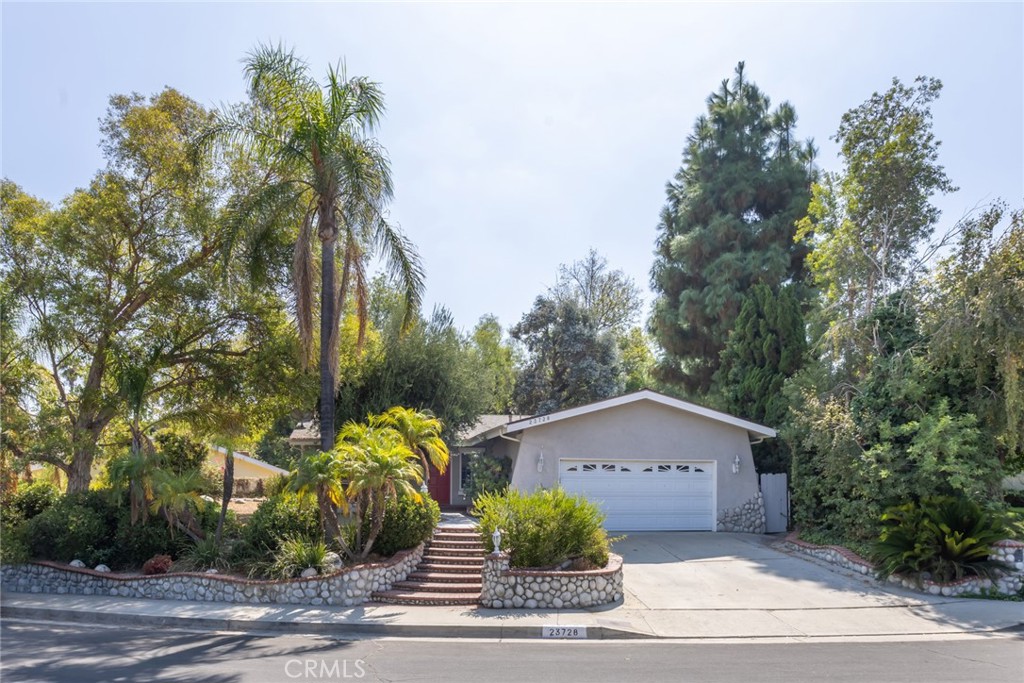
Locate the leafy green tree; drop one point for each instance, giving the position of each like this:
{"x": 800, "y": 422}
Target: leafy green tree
{"x": 570, "y": 361}
{"x": 314, "y": 142}
{"x": 498, "y": 360}
{"x": 766, "y": 346}
{"x": 636, "y": 359}
{"x": 727, "y": 226}
{"x": 609, "y": 297}
{"x": 976, "y": 318}
{"x": 867, "y": 223}
{"x": 97, "y": 277}
{"x": 431, "y": 367}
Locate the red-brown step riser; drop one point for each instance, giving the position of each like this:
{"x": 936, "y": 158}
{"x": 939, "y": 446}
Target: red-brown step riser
{"x": 443, "y": 577}
{"x": 454, "y": 552}
{"x": 407, "y": 598}
{"x": 437, "y": 587}
{"x": 453, "y": 559}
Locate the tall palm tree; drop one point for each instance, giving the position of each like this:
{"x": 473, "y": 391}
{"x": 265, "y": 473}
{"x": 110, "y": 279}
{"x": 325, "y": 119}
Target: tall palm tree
{"x": 324, "y": 167}
{"x": 421, "y": 433}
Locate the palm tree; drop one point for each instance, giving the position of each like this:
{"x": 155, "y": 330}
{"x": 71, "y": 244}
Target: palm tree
{"x": 379, "y": 467}
{"x": 176, "y": 497}
{"x": 421, "y": 433}
{"x": 323, "y": 166}
{"x": 321, "y": 474}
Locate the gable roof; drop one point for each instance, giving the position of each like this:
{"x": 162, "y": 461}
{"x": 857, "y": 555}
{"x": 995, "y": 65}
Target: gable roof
{"x": 306, "y": 433}
{"x": 484, "y": 426}
{"x": 245, "y": 457}
{"x": 755, "y": 431}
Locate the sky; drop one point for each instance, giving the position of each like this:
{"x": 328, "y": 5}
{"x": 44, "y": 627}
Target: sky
{"x": 523, "y": 135}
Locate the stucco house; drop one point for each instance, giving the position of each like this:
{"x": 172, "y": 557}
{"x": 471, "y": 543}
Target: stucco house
{"x": 652, "y": 462}
{"x": 248, "y": 470}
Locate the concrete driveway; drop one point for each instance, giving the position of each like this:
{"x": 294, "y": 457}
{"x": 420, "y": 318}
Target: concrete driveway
{"x": 694, "y": 570}
{"x": 726, "y": 585}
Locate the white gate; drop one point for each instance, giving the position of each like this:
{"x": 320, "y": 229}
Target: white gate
{"x": 775, "y": 491}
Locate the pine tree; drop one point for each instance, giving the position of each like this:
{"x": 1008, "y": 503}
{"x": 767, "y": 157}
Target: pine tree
{"x": 767, "y": 345}
{"x": 728, "y": 225}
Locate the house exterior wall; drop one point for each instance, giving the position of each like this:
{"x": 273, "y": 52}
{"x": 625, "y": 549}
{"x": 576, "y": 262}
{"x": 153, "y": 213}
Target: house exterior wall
{"x": 643, "y": 430}
{"x": 243, "y": 469}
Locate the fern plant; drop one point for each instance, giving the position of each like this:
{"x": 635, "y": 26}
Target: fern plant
{"x": 944, "y": 538}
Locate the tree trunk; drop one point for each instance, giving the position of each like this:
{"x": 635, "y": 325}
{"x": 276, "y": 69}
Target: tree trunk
{"x": 327, "y": 268}
{"x": 376, "y": 524}
{"x": 229, "y": 488}
{"x": 328, "y": 516}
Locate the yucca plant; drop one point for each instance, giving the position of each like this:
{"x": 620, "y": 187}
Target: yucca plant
{"x": 206, "y": 554}
{"x": 945, "y": 538}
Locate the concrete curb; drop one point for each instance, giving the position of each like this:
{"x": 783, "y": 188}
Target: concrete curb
{"x": 493, "y": 631}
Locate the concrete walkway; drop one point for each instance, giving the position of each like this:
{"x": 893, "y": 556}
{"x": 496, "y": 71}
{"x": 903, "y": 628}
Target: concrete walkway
{"x": 678, "y": 586}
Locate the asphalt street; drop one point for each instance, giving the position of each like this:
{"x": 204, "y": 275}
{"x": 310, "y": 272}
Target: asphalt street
{"x": 35, "y": 651}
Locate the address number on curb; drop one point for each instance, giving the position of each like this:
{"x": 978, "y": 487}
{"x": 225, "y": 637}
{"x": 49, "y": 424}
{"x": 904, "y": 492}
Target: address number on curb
{"x": 564, "y": 631}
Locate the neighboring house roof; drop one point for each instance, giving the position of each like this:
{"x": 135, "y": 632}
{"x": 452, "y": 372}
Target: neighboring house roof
{"x": 484, "y": 425}
{"x": 245, "y": 457}
{"x": 754, "y": 430}
{"x": 305, "y": 434}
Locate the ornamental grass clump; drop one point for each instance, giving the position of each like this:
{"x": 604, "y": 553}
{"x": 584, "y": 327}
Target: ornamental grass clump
{"x": 545, "y": 529}
{"x": 296, "y": 554}
{"x": 941, "y": 538}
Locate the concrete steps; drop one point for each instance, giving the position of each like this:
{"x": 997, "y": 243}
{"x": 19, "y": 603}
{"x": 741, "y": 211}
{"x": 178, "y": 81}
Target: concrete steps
{"x": 448, "y": 574}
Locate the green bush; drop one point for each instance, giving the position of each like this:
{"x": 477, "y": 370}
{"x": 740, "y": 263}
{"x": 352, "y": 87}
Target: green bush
{"x": 406, "y": 524}
{"x": 136, "y": 543}
{"x": 487, "y": 474}
{"x": 68, "y": 532}
{"x": 296, "y": 554}
{"x": 13, "y": 547}
{"x": 34, "y": 498}
{"x": 943, "y": 538}
{"x": 544, "y": 528}
{"x": 285, "y": 515}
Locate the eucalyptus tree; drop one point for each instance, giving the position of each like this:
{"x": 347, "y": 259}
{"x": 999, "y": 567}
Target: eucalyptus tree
{"x": 314, "y": 145}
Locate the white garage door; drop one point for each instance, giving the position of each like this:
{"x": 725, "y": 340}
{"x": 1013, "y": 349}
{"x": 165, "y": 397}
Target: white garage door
{"x": 640, "y": 495}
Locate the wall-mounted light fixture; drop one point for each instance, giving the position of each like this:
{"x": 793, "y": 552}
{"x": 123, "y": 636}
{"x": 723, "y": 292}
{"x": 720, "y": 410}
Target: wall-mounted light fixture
{"x": 540, "y": 462}
{"x": 736, "y": 465}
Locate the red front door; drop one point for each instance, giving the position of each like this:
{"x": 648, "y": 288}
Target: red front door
{"x": 440, "y": 486}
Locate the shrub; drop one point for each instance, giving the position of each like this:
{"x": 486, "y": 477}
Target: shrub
{"x": 276, "y": 485}
{"x": 487, "y": 474}
{"x": 296, "y": 554}
{"x": 943, "y": 538}
{"x": 33, "y": 499}
{"x": 180, "y": 453}
{"x": 68, "y": 532}
{"x": 13, "y": 548}
{"x": 158, "y": 564}
{"x": 135, "y": 543}
{"x": 285, "y": 515}
{"x": 544, "y": 528}
{"x": 406, "y": 524}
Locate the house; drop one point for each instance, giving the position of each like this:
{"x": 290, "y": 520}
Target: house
{"x": 250, "y": 472}
{"x": 652, "y": 462}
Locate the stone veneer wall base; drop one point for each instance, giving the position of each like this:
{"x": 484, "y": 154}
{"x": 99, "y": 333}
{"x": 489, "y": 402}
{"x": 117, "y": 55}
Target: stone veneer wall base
{"x": 1009, "y": 552}
{"x": 747, "y": 518}
{"x": 348, "y": 587}
{"x": 505, "y": 588}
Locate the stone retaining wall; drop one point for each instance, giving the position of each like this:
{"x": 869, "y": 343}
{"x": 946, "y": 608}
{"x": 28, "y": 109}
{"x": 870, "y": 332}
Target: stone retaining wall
{"x": 1009, "y": 552}
{"x": 505, "y": 588}
{"x": 350, "y": 586}
{"x": 747, "y": 518}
